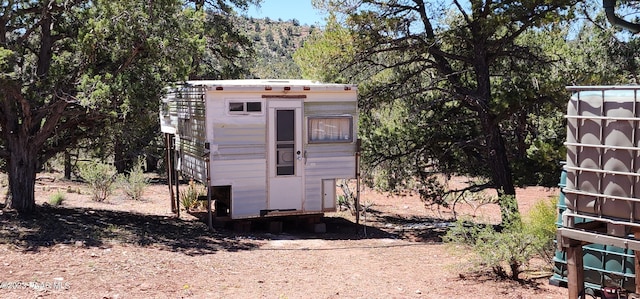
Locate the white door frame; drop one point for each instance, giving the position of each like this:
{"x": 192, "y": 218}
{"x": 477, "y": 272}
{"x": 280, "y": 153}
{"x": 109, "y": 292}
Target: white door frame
{"x": 285, "y": 188}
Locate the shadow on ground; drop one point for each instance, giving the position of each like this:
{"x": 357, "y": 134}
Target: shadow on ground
{"x": 377, "y": 225}
{"x": 414, "y": 228}
{"x": 337, "y": 228}
{"x": 94, "y": 228}
{"x": 50, "y": 226}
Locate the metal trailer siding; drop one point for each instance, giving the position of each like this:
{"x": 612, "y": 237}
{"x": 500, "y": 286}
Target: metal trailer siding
{"x": 238, "y": 153}
{"x": 249, "y": 185}
{"x": 339, "y": 149}
{"x": 240, "y": 137}
{"x": 328, "y": 160}
{"x": 319, "y": 169}
{"x": 238, "y": 142}
{"x": 235, "y": 137}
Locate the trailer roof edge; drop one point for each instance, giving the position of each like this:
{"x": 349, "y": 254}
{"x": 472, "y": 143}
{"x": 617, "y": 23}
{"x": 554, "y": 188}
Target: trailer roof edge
{"x": 603, "y": 87}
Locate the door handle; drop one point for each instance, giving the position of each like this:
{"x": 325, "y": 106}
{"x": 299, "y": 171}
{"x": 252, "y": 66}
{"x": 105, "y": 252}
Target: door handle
{"x": 298, "y": 156}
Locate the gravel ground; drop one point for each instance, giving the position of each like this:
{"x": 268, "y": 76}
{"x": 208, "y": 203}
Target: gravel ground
{"x": 138, "y": 249}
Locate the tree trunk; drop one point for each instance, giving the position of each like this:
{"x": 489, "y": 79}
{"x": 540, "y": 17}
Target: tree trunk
{"x": 496, "y": 151}
{"x": 118, "y": 158}
{"x": 515, "y": 270}
{"x": 22, "y": 165}
{"x": 121, "y": 159}
{"x": 67, "y": 165}
{"x": 500, "y": 170}
{"x": 498, "y": 162}
{"x": 152, "y": 163}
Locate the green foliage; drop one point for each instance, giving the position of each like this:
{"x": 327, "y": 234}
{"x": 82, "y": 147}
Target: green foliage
{"x": 407, "y": 145}
{"x": 509, "y": 209}
{"x": 6, "y": 57}
{"x": 343, "y": 202}
{"x": 135, "y": 68}
{"x": 94, "y": 70}
{"x": 133, "y": 183}
{"x": 598, "y": 55}
{"x": 511, "y": 245}
{"x": 467, "y": 90}
{"x": 347, "y": 199}
{"x": 57, "y": 198}
{"x": 540, "y": 223}
{"x": 274, "y": 43}
{"x": 229, "y": 51}
{"x": 325, "y": 53}
{"x": 100, "y": 178}
{"x": 87, "y": 69}
{"x": 189, "y": 197}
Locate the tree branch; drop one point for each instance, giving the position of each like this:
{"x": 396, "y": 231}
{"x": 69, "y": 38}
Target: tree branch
{"x": 56, "y": 112}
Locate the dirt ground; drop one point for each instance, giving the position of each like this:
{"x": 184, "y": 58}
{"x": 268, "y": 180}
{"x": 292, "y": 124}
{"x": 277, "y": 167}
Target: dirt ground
{"x": 138, "y": 249}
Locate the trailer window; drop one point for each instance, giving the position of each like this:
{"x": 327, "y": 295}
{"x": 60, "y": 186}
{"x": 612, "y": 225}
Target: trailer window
{"x": 245, "y": 107}
{"x": 236, "y": 107}
{"x": 254, "y": 107}
{"x": 330, "y": 129}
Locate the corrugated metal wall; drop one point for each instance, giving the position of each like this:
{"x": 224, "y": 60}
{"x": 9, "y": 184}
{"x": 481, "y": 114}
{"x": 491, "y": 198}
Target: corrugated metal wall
{"x": 191, "y": 131}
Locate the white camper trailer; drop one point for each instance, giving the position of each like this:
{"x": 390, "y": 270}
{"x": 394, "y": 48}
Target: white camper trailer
{"x": 273, "y": 147}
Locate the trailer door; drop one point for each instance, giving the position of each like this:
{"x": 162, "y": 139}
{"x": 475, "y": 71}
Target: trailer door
{"x": 285, "y": 155}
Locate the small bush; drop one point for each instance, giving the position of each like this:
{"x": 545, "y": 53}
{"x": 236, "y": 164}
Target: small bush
{"x": 100, "y": 177}
{"x": 56, "y": 199}
{"x": 343, "y": 202}
{"x": 512, "y": 245}
{"x": 134, "y": 183}
{"x": 540, "y": 222}
{"x": 346, "y": 201}
{"x": 189, "y": 198}
{"x": 72, "y": 190}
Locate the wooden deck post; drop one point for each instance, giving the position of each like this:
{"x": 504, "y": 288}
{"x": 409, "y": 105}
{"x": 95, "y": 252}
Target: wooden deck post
{"x": 575, "y": 268}
{"x": 636, "y": 261}
{"x": 357, "y": 198}
{"x": 169, "y": 165}
{"x": 207, "y": 163}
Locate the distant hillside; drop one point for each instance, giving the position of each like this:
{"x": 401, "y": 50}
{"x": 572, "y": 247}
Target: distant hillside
{"x": 275, "y": 41}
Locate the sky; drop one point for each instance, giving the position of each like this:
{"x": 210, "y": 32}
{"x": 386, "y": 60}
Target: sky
{"x": 301, "y": 10}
